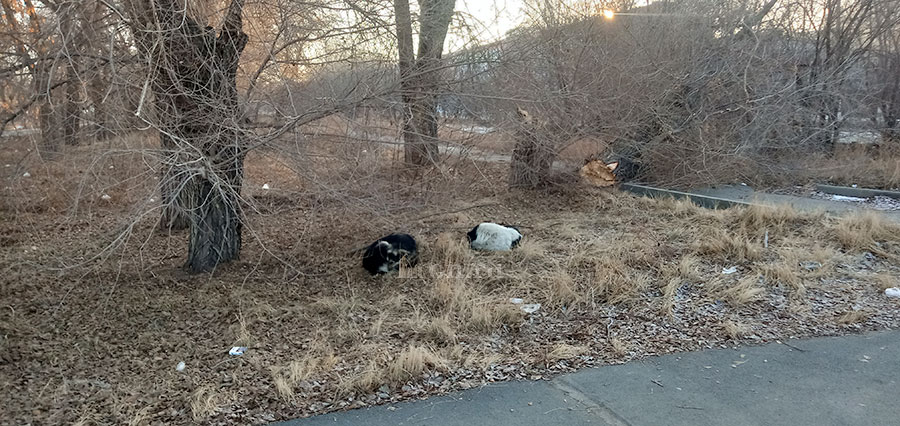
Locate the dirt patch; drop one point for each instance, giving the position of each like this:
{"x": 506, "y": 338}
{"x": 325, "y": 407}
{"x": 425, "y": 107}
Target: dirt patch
{"x": 97, "y": 338}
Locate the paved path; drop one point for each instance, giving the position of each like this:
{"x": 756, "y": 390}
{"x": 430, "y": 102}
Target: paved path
{"x": 853, "y": 380}
{"x": 747, "y": 194}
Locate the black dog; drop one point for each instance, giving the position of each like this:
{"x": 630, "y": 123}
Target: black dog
{"x": 385, "y": 254}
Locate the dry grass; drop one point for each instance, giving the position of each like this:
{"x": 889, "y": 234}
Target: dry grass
{"x": 728, "y": 246}
{"x": 450, "y": 249}
{"x": 613, "y": 282}
{"x": 530, "y": 249}
{"x": 619, "y": 348}
{"x": 282, "y": 386}
{"x": 440, "y": 331}
{"x": 884, "y": 281}
{"x": 322, "y": 334}
{"x": 411, "y": 363}
{"x": 565, "y": 351}
{"x": 364, "y": 380}
{"x": 853, "y": 165}
{"x": 774, "y": 222}
{"x": 205, "y": 401}
{"x": 852, "y": 317}
{"x": 674, "y": 276}
{"x": 735, "y": 330}
{"x": 489, "y": 314}
{"x": 865, "y": 231}
{"x": 560, "y": 289}
{"x": 784, "y": 273}
{"x": 737, "y": 294}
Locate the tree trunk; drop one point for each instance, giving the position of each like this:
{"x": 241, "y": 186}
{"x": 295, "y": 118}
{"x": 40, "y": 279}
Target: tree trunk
{"x": 46, "y": 114}
{"x": 532, "y": 157}
{"x": 71, "y": 120}
{"x": 197, "y": 101}
{"x": 101, "y": 116}
{"x": 420, "y": 76}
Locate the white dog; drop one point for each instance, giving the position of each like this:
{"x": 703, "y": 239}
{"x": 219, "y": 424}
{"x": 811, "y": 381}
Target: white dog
{"x": 494, "y": 237}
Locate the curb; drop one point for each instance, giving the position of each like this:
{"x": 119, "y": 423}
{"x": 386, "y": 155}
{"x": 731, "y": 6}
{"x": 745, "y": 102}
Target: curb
{"x": 700, "y": 200}
{"x": 857, "y": 192}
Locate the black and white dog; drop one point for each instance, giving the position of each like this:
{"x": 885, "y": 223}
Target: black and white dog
{"x": 385, "y": 254}
{"x": 494, "y": 237}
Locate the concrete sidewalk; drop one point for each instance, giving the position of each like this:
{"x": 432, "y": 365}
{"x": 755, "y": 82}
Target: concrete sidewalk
{"x": 853, "y": 380}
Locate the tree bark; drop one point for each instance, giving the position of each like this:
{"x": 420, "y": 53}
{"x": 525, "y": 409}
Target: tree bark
{"x": 71, "y": 47}
{"x": 197, "y": 101}
{"x": 420, "y": 76}
{"x": 532, "y": 157}
{"x": 71, "y": 120}
{"x": 46, "y": 113}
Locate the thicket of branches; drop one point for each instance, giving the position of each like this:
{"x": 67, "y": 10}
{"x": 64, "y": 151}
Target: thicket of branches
{"x": 700, "y": 91}
{"x": 693, "y": 90}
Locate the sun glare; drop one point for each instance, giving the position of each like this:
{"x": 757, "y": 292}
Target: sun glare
{"x": 609, "y": 14}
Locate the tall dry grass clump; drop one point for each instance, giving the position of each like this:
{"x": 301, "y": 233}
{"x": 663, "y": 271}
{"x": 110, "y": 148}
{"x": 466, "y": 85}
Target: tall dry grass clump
{"x": 865, "y": 230}
{"x": 784, "y": 273}
{"x": 737, "y": 294}
{"x": 450, "y": 250}
{"x": 613, "y": 282}
{"x": 673, "y": 276}
{"x": 728, "y": 246}
{"x": 411, "y": 363}
{"x": 778, "y": 221}
{"x": 461, "y": 304}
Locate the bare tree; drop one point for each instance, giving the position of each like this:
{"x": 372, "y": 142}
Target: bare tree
{"x": 194, "y": 84}
{"x": 886, "y": 81}
{"x": 419, "y": 76}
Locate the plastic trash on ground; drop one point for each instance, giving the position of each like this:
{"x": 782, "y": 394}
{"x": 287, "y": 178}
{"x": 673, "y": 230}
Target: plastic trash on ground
{"x": 892, "y": 292}
{"x": 265, "y": 186}
{"x": 180, "y": 366}
{"x": 531, "y": 308}
{"x": 729, "y": 271}
{"x": 237, "y": 351}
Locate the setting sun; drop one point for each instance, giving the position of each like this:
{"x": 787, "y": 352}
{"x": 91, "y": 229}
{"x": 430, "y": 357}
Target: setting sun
{"x": 609, "y": 14}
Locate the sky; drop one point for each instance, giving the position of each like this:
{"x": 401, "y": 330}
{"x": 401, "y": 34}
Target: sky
{"x": 496, "y": 17}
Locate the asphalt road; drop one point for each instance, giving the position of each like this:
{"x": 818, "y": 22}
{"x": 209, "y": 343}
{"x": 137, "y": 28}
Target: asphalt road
{"x": 852, "y": 380}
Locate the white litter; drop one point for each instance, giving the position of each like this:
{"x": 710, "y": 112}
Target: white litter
{"x": 531, "y": 308}
{"x": 112, "y": 167}
{"x": 26, "y": 174}
{"x": 105, "y": 197}
{"x": 729, "y": 271}
{"x": 7, "y": 165}
{"x": 237, "y": 350}
{"x": 846, "y": 198}
{"x": 892, "y": 292}
{"x": 153, "y": 200}
{"x": 854, "y": 185}
{"x": 516, "y": 301}
{"x": 180, "y": 366}
{"x": 265, "y": 186}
